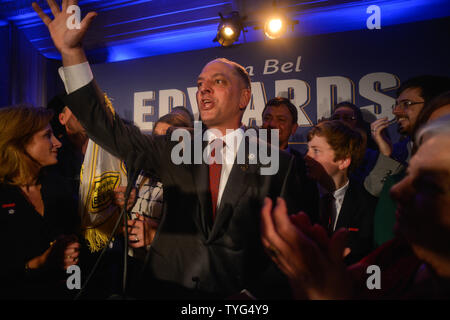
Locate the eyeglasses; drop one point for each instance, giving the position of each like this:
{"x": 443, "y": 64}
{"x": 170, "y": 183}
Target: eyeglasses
{"x": 404, "y": 105}
{"x": 344, "y": 117}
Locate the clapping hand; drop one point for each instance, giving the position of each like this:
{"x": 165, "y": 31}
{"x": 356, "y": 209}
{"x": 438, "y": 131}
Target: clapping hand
{"x": 311, "y": 260}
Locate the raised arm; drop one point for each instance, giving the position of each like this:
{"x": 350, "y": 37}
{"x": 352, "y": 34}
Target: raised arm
{"x": 86, "y": 100}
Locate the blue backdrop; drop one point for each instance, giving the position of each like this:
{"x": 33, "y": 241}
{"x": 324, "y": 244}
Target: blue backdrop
{"x": 315, "y": 72}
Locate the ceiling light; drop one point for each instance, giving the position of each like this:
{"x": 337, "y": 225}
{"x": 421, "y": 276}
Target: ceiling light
{"x": 229, "y": 29}
{"x": 275, "y": 27}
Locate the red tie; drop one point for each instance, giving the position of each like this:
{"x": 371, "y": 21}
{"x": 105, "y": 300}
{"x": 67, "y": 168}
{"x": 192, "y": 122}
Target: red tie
{"x": 214, "y": 176}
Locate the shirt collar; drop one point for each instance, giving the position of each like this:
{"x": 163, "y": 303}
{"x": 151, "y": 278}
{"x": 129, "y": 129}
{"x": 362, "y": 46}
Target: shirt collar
{"x": 230, "y": 138}
{"x": 337, "y": 193}
{"x": 340, "y": 193}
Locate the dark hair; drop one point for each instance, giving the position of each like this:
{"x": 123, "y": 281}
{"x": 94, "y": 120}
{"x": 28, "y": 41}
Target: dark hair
{"x": 431, "y": 106}
{"x": 57, "y": 105}
{"x": 345, "y": 141}
{"x": 183, "y": 110}
{"x": 356, "y": 110}
{"x": 175, "y": 120}
{"x": 280, "y": 101}
{"x": 361, "y": 124}
{"x": 430, "y": 86}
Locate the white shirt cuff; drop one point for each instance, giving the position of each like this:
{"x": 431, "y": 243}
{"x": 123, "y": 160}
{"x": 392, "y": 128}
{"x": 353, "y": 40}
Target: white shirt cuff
{"x": 76, "y": 76}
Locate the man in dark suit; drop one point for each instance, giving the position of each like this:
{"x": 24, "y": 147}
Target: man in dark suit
{"x": 334, "y": 149}
{"x": 281, "y": 114}
{"x": 208, "y": 242}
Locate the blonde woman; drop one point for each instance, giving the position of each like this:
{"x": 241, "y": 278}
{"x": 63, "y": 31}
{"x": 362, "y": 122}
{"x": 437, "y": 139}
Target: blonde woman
{"x": 37, "y": 216}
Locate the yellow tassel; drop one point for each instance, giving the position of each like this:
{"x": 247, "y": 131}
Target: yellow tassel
{"x": 97, "y": 237}
{"x": 109, "y": 104}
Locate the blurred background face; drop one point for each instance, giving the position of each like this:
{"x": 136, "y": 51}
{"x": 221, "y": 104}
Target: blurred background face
{"x": 43, "y": 147}
{"x": 161, "y": 128}
{"x": 407, "y": 115}
{"x": 423, "y": 196}
{"x": 73, "y": 126}
{"x": 279, "y": 117}
{"x": 346, "y": 115}
{"x": 442, "y": 111}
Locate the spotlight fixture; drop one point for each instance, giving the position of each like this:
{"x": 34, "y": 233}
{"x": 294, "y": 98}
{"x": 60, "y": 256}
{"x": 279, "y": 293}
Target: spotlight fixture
{"x": 277, "y": 24}
{"x": 229, "y": 29}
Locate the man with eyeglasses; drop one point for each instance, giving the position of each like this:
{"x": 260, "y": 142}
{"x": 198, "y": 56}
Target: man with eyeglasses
{"x": 412, "y": 97}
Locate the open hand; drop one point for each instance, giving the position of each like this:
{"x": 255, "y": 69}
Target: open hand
{"x": 66, "y": 40}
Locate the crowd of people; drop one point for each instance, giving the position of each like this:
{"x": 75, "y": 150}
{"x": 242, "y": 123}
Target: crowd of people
{"x": 222, "y": 229}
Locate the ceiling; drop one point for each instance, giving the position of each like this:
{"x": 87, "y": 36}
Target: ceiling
{"x": 127, "y": 29}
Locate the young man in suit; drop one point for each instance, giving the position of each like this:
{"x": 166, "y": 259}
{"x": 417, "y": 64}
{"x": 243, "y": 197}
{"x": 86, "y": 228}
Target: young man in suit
{"x": 208, "y": 242}
{"x": 334, "y": 149}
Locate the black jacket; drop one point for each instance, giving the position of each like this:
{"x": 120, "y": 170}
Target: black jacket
{"x": 25, "y": 234}
{"x": 357, "y": 215}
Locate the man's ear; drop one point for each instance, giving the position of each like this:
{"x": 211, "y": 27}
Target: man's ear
{"x": 294, "y": 129}
{"x": 64, "y": 116}
{"x": 344, "y": 163}
{"x": 246, "y": 94}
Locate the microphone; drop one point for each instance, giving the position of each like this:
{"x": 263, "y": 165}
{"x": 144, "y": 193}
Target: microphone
{"x": 134, "y": 165}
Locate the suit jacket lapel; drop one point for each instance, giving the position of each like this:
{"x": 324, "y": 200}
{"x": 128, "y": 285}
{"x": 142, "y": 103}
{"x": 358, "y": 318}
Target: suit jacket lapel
{"x": 200, "y": 175}
{"x": 348, "y": 208}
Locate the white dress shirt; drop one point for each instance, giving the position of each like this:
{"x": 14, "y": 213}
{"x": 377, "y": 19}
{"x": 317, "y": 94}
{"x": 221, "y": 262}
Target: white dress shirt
{"x": 339, "y": 195}
{"x": 232, "y": 141}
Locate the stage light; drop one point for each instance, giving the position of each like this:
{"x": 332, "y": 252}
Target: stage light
{"x": 275, "y": 27}
{"x": 275, "y": 22}
{"x": 229, "y": 29}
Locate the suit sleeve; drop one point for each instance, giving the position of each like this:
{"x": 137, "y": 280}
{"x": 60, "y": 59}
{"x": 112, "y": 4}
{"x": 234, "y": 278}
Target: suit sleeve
{"x": 384, "y": 167}
{"x": 122, "y": 140}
